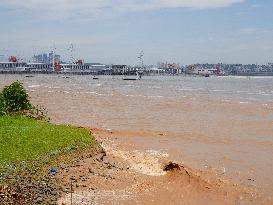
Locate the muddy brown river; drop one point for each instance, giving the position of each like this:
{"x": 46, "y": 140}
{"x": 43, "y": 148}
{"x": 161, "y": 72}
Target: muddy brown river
{"x": 219, "y": 123}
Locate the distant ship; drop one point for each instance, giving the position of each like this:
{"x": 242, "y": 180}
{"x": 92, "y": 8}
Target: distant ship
{"x": 200, "y": 71}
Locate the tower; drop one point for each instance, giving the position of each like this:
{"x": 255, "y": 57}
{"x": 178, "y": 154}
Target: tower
{"x": 71, "y": 50}
{"x": 140, "y": 57}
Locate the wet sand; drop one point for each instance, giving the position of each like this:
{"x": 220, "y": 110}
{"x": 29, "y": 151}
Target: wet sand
{"x": 223, "y": 133}
{"x": 128, "y": 175}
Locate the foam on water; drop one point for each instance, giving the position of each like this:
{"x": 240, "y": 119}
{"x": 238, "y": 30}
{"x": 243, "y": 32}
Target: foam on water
{"x": 34, "y": 86}
{"x": 143, "y": 162}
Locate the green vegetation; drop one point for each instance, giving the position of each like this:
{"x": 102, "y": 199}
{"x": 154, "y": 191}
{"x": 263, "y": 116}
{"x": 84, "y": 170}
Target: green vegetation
{"x": 25, "y": 142}
{"x": 32, "y": 149}
{"x": 14, "y": 99}
{"x": 28, "y": 142}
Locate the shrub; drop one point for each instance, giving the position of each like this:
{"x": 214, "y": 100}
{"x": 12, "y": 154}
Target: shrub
{"x": 38, "y": 113}
{"x": 14, "y": 99}
{"x": 2, "y": 105}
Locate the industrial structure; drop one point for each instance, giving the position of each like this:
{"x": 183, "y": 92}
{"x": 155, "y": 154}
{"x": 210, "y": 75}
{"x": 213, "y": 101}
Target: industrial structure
{"x": 13, "y": 65}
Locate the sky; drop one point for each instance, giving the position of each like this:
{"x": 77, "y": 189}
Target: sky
{"x": 116, "y": 31}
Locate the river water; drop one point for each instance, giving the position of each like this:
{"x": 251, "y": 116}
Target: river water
{"x": 220, "y": 122}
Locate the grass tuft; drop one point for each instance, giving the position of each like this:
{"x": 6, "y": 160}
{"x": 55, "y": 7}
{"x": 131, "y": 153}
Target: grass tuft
{"x": 26, "y": 143}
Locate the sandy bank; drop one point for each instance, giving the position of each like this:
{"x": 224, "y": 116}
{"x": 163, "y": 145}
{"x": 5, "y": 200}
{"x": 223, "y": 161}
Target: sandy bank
{"x": 126, "y": 175}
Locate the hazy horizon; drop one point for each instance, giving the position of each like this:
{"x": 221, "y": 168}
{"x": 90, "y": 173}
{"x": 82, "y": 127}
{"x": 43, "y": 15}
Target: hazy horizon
{"x": 114, "y": 32}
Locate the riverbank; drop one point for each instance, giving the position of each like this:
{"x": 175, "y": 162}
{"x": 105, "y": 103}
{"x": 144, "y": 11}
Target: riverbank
{"x": 32, "y": 152}
{"x": 123, "y": 172}
{"x": 127, "y": 175}
{"x": 223, "y": 124}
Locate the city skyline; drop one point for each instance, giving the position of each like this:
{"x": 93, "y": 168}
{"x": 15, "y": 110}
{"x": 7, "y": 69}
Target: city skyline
{"x": 182, "y": 31}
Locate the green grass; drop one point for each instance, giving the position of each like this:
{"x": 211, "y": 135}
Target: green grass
{"x": 27, "y": 142}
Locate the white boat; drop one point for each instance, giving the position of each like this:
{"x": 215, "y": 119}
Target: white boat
{"x": 136, "y": 77}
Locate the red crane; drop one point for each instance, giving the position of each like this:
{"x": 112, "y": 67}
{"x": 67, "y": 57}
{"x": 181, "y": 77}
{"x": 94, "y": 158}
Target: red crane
{"x": 13, "y": 59}
{"x": 57, "y": 67}
{"x": 79, "y": 62}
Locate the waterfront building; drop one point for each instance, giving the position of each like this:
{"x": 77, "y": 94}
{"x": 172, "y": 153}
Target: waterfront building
{"x": 12, "y": 66}
{"x": 199, "y": 69}
{"x": 40, "y": 58}
{"x": 119, "y": 69}
{"x": 88, "y": 67}
{"x": 47, "y": 67}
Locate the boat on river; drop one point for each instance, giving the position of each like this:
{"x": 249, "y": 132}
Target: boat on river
{"x": 136, "y": 77}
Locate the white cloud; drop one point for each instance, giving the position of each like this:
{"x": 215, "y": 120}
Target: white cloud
{"x": 199, "y": 4}
{"x": 85, "y": 8}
